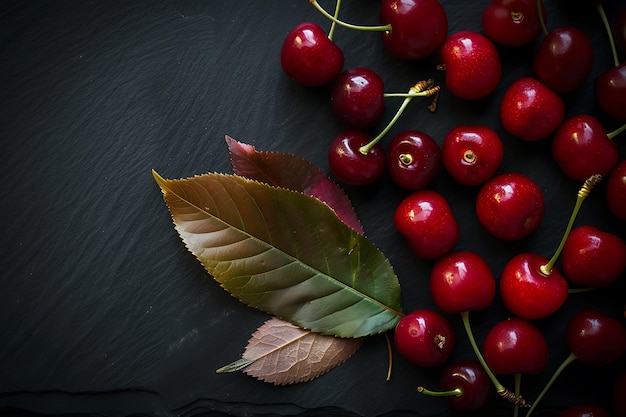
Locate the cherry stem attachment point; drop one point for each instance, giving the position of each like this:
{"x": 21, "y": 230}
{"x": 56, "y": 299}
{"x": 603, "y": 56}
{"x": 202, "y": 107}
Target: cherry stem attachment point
{"x": 380, "y": 28}
{"x": 542, "y": 22}
{"x": 607, "y": 26}
{"x": 571, "y": 358}
{"x": 582, "y": 195}
{"x": 617, "y": 131}
{"x": 424, "y": 88}
{"x": 331, "y": 32}
{"x": 457, "y": 392}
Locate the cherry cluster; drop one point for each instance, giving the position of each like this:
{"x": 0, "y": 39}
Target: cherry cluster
{"x": 509, "y": 206}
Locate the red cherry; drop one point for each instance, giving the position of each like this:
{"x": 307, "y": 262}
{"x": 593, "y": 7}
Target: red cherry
{"x": 462, "y": 281}
{"x": 472, "y": 154}
{"x": 516, "y": 346}
{"x": 357, "y": 97}
{"x": 592, "y": 257}
{"x": 472, "y": 65}
{"x": 418, "y": 27}
{"x": 564, "y": 59}
{"x": 424, "y": 338}
{"x": 512, "y": 22}
{"x": 309, "y": 56}
{"x": 610, "y": 92}
{"x": 465, "y": 385}
{"x": 529, "y": 293}
{"x": 413, "y": 159}
{"x": 616, "y": 190}
{"x": 349, "y": 165}
{"x": 595, "y": 338}
{"x": 510, "y": 206}
{"x": 426, "y": 220}
{"x": 582, "y": 148}
{"x": 531, "y": 111}
{"x": 584, "y": 410}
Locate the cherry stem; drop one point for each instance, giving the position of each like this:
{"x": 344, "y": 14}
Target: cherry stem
{"x": 607, "y": 26}
{"x": 582, "y": 194}
{"x": 390, "y": 356}
{"x": 468, "y": 329}
{"x": 616, "y": 132}
{"x": 331, "y": 32}
{"x": 457, "y": 392}
{"x": 542, "y": 22}
{"x": 422, "y": 88}
{"x": 517, "y": 381}
{"x": 580, "y": 290}
{"x": 381, "y": 28}
{"x": 571, "y": 358}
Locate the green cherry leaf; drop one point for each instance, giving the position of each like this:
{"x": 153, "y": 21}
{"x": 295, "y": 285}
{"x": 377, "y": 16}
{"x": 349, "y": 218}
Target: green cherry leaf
{"x": 285, "y": 253}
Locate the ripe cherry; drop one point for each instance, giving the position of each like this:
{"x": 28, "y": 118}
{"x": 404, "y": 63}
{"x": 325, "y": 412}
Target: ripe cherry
{"x": 424, "y": 338}
{"x": 472, "y": 65}
{"x": 516, "y": 346}
{"x": 530, "y": 110}
{"x": 530, "y": 286}
{"x": 309, "y": 56}
{"x": 350, "y": 165}
{"x": 357, "y": 98}
{"x": 584, "y": 410}
{"x": 610, "y": 92}
{"x": 582, "y": 147}
{"x": 417, "y": 27}
{"x": 512, "y": 22}
{"x": 616, "y": 190}
{"x": 413, "y": 159}
{"x": 462, "y": 281}
{"x": 465, "y": 385}
{"x": 426, "y": 221}
{"x": 510, "y": 206}
{"x": 411, "y": 29}
{"x": 595, "y": 339}
{"x": 592, "y": 257}
{"x": 564, "y": 59}
{"x": 472, "y": 154}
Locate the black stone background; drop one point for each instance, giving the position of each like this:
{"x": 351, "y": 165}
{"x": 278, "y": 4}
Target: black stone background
{"x": 103, "y": 311}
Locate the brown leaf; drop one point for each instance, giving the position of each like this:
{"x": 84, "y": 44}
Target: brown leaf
{"x": 282, "y": 354}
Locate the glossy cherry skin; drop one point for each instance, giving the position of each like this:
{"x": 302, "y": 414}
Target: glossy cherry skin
{"x": 564, "y": 59}
{"x": 512, "y": 22}
{"x": 510, "y": 206}
{"x": 595, "y": 339}
{"x": 309, "y": 56}
{"x": 357, "y": 98}
{"x": 413, "y": 159}
{"x": 349, "y": 165}
{"x": 582, "y": 148}
{"x": 616, "y": 190}
{"x": 426, "y": 220}
{"x": 472, "y": 380}
{"x": 592, "y": 257}
{"x": 472, "y": 65}
{"x": 418, "y": 27}
{"x": 424, "y": 338}
{"x": 516, "y": 346}
{"x": 527, "y": 292}
{"x": 584, "y": 410}
{"x": 610, "y": 92}
{"x": 530, "y": 110}
{"x": 472, "y": 154}
{"x": 462, "y": 281}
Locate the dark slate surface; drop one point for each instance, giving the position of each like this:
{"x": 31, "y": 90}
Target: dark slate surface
{"x": 103, "y": 312}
